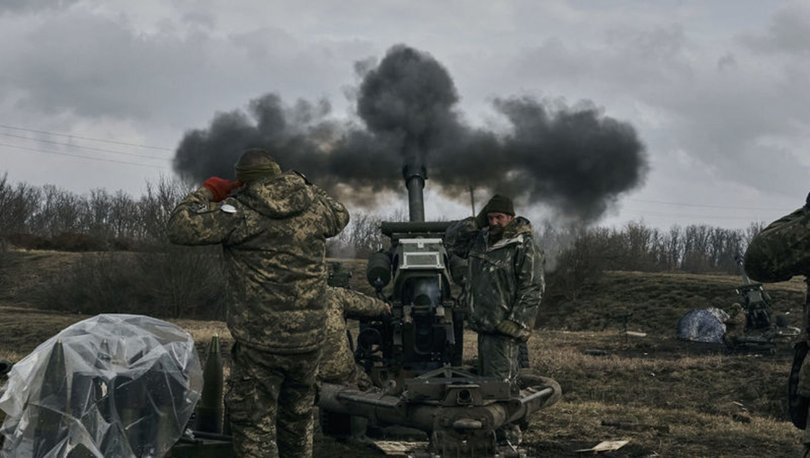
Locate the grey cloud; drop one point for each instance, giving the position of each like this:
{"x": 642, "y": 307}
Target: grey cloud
{"x": 199, "y": 18}
{"x": 92, "y": 66}
{"x": 726, "y": 62}
{"x": 29, "y": 6}
{"x": 788, "y": 33}
{"x": 631, "y": 59}
{"x": 724, "y": 111}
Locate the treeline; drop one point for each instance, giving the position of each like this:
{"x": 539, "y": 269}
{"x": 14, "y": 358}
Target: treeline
{"x": 637, "y": 247}
{"x": 578, "y": 256}
{"x": 48, "y": 217}
{"x": 163, "y": 279}
{"x": 133, "y": 270}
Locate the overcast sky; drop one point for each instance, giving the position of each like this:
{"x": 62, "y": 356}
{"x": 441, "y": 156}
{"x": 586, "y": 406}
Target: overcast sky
{"x": 716, "y": 90}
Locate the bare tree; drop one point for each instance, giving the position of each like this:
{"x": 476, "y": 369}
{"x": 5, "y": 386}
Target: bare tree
{"x": 156, "y": 206}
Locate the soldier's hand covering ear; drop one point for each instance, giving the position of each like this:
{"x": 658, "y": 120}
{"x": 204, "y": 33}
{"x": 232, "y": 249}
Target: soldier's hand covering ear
{"x": 512, "y": 329}
{"x": 220, "y": 187}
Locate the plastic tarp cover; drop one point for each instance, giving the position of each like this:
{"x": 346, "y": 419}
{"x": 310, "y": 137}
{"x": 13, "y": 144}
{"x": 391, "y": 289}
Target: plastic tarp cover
{"x": 109, "y": 386}
{"x": 703, "y": 325}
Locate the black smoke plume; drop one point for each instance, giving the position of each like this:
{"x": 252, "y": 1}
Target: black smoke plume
{"x": 575, "y": 160}
{"x": 407, "y": 101}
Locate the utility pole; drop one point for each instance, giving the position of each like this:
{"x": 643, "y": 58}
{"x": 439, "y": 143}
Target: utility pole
{"x": 472, "y": 199}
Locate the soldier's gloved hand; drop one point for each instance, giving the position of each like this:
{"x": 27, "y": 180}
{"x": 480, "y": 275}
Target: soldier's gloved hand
{"x": 220, "y": 187}
{"x": 807, "y": 201}
{"x": 512, "y": 329}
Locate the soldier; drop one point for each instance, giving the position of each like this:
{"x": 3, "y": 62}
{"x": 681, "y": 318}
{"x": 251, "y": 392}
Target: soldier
{"x": 337, "y": 365}
{"x": 505, "y": 283}
{"x": 272, "y": 227}
{"x": 779, "y": 252}
{"x": 735, "y": 323}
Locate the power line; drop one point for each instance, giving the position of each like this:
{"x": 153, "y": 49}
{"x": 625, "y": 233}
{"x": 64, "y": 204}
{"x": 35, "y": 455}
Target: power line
{"x": 644, "y": 213}
{"x": 83, "y": 157}
{"x": 80, "y": 137}
{"x": 682, "y": 204}
{"x": 88, "y": 148}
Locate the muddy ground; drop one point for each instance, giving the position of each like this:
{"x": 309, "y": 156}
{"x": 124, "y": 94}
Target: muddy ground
{"x": 668, "y": 398}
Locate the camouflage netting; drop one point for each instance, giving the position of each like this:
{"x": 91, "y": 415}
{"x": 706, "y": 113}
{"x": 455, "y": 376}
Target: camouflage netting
{"x": 111, "y": 385}
{"x": 703, "y": 325}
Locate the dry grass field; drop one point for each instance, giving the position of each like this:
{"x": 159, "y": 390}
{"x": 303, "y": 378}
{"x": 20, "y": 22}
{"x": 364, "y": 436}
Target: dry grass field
{"x": 667, "y": 397}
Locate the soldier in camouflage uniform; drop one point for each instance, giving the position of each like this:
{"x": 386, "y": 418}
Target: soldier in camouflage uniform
{"x": 505, "y": 283}
{"x": 735, "y": 323}
{"x": 272, "y": 227}
{"x": 337, "y": 364}
{"x": 779, "y": 252}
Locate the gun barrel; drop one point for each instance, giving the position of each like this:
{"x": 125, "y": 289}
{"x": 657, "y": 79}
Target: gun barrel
{"x": 415, "y": 177}
{"x": 741, "y": 267}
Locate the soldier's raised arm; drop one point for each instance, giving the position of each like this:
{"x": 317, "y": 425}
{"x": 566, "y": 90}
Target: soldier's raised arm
{"x": 336, "y": 217}
{"x": 202, "y": 218}
{"x": 357, "y": 305}
{"x": 460, "y": 235}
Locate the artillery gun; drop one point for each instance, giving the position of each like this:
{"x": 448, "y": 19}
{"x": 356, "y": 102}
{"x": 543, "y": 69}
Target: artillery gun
{"x": 762, "y": 330}
{"x": 414, "y": 357}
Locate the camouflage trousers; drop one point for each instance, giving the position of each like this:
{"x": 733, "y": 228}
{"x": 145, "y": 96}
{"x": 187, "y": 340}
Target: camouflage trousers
{"x": 498, "y": 357}
{"x": 270, "y": 400}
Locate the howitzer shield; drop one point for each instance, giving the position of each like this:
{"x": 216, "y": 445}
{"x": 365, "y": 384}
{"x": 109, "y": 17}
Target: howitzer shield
{"x": 111, "y": 385}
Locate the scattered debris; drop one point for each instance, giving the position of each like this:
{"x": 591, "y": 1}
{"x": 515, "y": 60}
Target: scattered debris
{"x": 604, "y": 446}
{"x": 399, "y": 448}
{"x": 635, "y": 334}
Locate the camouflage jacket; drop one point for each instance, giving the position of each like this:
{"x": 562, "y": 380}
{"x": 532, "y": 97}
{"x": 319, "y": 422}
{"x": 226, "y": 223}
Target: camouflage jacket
{"x": 504, "y": 280}
{"x": 781, "y": 250}
{"x": 273, "y": 235}
{"x": 337, "y": 362}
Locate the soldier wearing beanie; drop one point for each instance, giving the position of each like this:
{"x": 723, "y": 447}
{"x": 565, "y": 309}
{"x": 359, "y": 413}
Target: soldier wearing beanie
{"x": 778, "y": 253}
{"x": 504, "y": 281}
{"x": 273, "y": 227}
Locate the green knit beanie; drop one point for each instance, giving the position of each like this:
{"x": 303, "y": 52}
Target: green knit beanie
{"x": 256, "y": 164}
{"x": 500, "y": 204}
